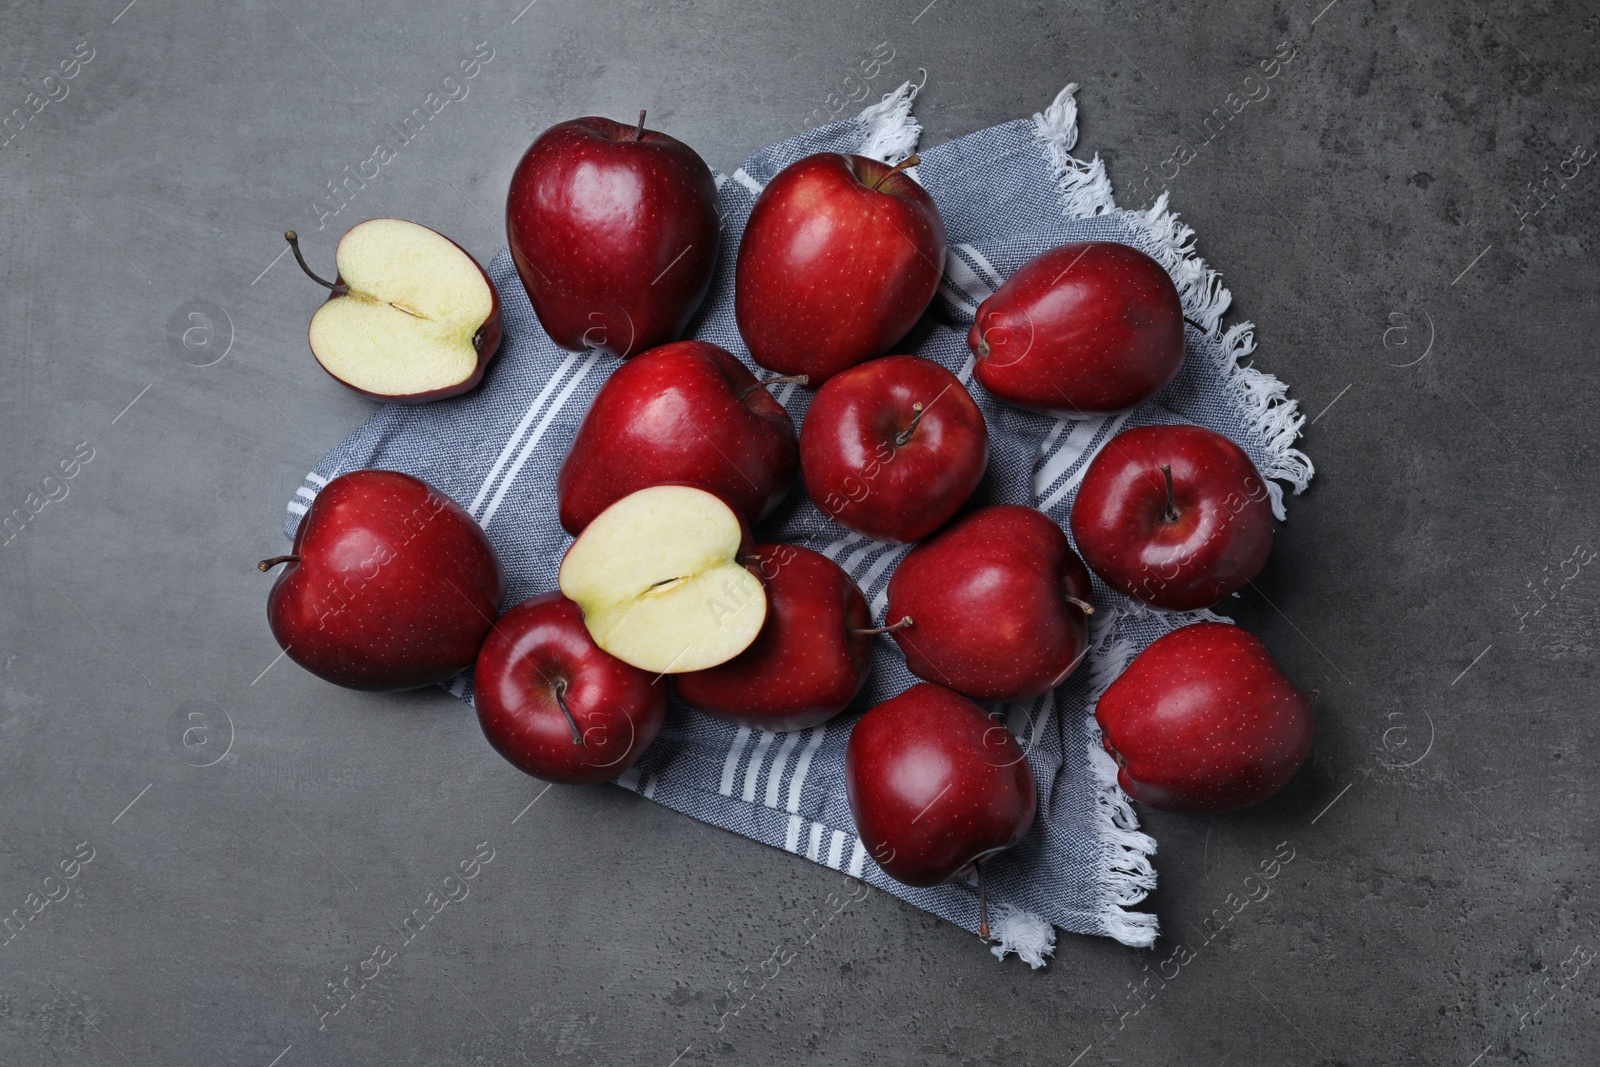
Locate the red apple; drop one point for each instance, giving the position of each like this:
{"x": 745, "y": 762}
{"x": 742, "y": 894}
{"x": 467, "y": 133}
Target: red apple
{"x": 557, "y": 705}
{"x": 391, "y": 585}
{"x": 994, "y": 606}
{"x": 841, "y": 256}
{"x": 936, "y": 787}
{"x": 1086, "y": 328}
{"x": 811, "y": 657}
{"x": 614, "y": 231}
{"x": 893, "y": 448}
{"x": 1174, "y": 516}
{"x": 1204, "y": 721}
{"x": 686, "y": 413}
{"x": 410, "y": 315}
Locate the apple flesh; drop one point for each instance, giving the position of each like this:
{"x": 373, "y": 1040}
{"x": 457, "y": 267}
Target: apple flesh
{"x": 841, "y": 256}
{"x": 1174, "y": 516}
{"x": 686, "y": 413}
{"x": 614, "y": 231}
{"x": 995, "y": 605}
{"x": 810, "y": 659}
{"x": 661, "y": 583}
{"x": 937, "y": 787}
{"x": 1084, "y": 329}
{"x": 557, "y": 705}
{"x": 1204, "y": 721}
{"x": 390, "y": 585}
{"x": 410, "y": 317}
{"x": 893, "y": 448}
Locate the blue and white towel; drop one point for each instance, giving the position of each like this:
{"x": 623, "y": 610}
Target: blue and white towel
{"x": 1007, "y": 193}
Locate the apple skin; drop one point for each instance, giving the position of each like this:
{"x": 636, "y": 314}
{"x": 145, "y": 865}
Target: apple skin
{"x": 832, "y": 272}
{"x": 1219, "y": 540}
{"x": 806, "y": 664}
{"x": 1087, "y": 328}
{"x": 391, "y": 585}
{"x": 936, "y": 786}
{"x": 687, "y": 413}
{"x": 542, "y": 645}
{"x": 1204, "y": 721}
{"x": 988, "y": 601}
{"x": 486, "y": 341}
{"x": 615, "y": 237}
{"x": 862, "y": 476}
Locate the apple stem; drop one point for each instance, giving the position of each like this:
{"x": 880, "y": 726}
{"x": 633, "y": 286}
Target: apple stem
{"x": 901, "y": 625}
{"x": 1197, "y": 326}
{"x": 798, "y": 379}
{"x": 909, "y": 161}
{"x": 267, "y": 564}
{"x": 1171, "y": 514}
{"x": 294, "y": 242}
{"x": 1082, "y": 605}
{"x": 561, "y": 702}
{"x": 983, "y": 903}
{"x": 638, "y": 134}
{"x": 905, "y": 435}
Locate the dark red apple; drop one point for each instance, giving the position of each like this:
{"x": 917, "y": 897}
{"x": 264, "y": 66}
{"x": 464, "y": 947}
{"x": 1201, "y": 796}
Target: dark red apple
{"x": 614, "y": 232}
{"x": 686, "y": 413}
{"x": 1204, "y": 721}
{"x": 994, "y": 606}
{"x": 1087, "y": 328}
{"x": 1174, "y": 516}
{"x": 556, "y": 704}
{"x": 936, "y": 787}
{"x": 893, "y": 448}
{"x": 391, "y": 584}
{"x": 841, "y": 256}
{"x": 811, "y": 657}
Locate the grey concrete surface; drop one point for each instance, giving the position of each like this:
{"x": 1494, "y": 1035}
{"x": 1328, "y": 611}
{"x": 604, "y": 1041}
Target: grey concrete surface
{"x": 1375, "y": 215}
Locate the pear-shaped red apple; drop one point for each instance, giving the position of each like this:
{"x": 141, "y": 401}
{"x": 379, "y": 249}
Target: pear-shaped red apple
{"x": 390, "y": 585}
{"x": 841, "y": 256}
{"x": 1084, "y": 329}
{"x": 811, "y": 657}
{"x": 1174, "y": 516}
{"x": 410, "y": 316}
{"x": 686, "y": 413}
{"x": 557, "y": 705}
{"x": 936, "y": 787}
{"x": 662, "y": 580}
{"x": 994, "y": 606}
{"x": 1204, "y": 721}
{"x": 614, "y": 231}
{"x": 893, "y": 448}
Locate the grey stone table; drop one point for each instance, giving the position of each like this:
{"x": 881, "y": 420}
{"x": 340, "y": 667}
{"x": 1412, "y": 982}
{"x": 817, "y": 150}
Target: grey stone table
{"x": 1404, "y": 211}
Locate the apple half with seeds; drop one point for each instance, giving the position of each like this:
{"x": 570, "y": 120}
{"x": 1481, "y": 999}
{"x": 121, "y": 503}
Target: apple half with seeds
{"x": 660, "y": 578}
{"x": 410, "y": 316}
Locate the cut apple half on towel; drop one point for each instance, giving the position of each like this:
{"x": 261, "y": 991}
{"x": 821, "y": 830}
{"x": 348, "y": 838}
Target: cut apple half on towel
{"x": 410, "y": 317}
{"x": 659, "y": 578}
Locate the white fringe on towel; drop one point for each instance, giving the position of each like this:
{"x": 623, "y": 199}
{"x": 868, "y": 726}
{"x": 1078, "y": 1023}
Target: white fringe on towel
{"x": 892, "y": 133}
{"x": 1128, "y": 876}
{"x": 1085, "y": 189}
{"x": 1022, "y": 932}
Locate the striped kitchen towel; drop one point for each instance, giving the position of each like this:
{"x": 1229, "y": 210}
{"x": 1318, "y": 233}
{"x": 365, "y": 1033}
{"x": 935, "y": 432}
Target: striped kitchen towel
{"x": 1007, "y": 193}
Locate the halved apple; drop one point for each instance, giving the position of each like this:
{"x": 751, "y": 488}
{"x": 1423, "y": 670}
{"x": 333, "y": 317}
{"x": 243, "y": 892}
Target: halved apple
{"x": 411, "y": 317}
{"x": 658, "y": 577}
